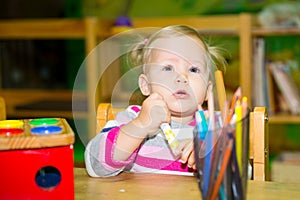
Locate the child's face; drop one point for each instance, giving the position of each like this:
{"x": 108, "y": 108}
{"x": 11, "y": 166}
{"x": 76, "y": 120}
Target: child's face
{"x": 177, "y": 71}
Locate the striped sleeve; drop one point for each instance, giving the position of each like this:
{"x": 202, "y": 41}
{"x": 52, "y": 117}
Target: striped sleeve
{"x": 99, "y": 151}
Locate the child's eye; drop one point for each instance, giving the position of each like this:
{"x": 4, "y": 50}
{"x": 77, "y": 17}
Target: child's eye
{"x": 167, "y": 68}
{"x": 194, "y": 70}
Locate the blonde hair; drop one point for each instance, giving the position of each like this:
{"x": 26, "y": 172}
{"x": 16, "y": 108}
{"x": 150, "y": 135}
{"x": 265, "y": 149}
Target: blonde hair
{"x": 141, "y": 52}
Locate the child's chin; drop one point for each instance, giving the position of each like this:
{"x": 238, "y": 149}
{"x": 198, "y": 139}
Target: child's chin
{"x": 183, "y": 110}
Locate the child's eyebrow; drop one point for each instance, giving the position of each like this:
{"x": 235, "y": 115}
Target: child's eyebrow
{"x": 197, "y": 64}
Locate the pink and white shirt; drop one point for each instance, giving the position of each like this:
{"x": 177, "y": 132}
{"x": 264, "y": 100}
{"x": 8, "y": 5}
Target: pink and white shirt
{"x": 153, "y": 156}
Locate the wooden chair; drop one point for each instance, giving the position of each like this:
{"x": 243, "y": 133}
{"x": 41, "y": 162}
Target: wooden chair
{"x": 259, "y": 143}
{"x": 2, "y": 109}
{"x": 258, "y": 137}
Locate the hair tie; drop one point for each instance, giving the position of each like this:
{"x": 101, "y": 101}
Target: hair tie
{"x": 146, "y": 40}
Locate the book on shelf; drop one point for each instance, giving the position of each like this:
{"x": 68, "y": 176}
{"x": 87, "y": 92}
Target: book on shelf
{"x": 260, "y": 82}
{"x": 286, "y": 85}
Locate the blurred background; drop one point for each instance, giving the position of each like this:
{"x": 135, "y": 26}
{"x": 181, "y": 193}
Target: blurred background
{"x": 53, "y": 64}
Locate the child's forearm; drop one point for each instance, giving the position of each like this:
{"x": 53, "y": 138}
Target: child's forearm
{"x": 129, "y": 139}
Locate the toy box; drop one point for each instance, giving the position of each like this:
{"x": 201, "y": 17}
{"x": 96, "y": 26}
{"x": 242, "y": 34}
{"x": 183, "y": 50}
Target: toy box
{"x": 36, "y": 159}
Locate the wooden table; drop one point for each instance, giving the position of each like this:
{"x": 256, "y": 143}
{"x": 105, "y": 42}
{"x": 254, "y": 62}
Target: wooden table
{"x": 154, "y": 186}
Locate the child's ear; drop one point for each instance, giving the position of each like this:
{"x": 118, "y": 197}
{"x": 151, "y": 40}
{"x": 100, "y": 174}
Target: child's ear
{"x": 144, "y": 85}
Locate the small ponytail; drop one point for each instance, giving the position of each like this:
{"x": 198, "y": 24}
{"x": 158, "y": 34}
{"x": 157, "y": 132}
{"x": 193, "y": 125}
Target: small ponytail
{"x": 136, "y": 55}
{"x": 217, "y": 60}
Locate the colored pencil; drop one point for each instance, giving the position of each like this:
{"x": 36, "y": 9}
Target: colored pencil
{"x": 209, "y": 142}
{"x": 236, "y": 96}
{"x": 238, "y": 133}
{"x": 221, "y": 92}
{"x": 245, "y": 151}
{"x": 215, "y": 160}
{"x": 224, "y": 164}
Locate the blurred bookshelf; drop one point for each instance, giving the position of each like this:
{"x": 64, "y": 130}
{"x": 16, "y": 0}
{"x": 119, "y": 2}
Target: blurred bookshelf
{"x": 281, "y": 45}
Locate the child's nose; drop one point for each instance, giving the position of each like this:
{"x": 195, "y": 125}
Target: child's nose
{"x": 181, "y": 78}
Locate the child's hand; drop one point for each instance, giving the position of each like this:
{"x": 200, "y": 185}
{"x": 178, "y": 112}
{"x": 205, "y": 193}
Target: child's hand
{"x": 154, "y": 112}
{"x": 187, "y": 155}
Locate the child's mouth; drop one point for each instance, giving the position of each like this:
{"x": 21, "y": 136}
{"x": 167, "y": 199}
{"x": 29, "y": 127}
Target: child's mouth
{"x": 181, "y": 94}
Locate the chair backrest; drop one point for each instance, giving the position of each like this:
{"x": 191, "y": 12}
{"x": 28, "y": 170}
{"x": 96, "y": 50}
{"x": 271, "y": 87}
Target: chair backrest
{"x": 258, "y": 137}
{"x": 2, "y": 109}
{"x": 259, "y": 143}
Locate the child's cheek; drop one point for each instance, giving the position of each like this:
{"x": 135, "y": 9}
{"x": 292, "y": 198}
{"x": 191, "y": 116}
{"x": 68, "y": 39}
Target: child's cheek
{"x": 199, "y": 91}
{"x": 163, "y": 81}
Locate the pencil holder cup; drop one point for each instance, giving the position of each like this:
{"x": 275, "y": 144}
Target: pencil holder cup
{"x": 221, "y": 154}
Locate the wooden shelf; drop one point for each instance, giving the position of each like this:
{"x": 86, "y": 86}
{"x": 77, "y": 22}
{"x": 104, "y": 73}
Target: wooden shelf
{"x": 208, "y": 22}
{"x": 21, "y": 103}
{"x": 284, "y": 118}
{"x": 51, "y": 28}
{"x": 275, "y": 32}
